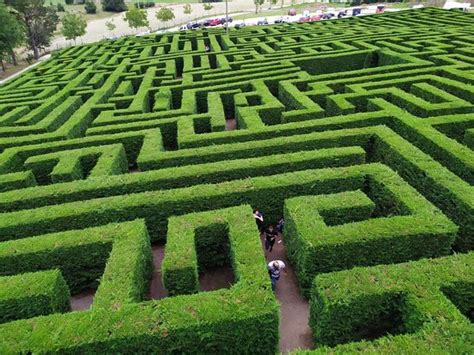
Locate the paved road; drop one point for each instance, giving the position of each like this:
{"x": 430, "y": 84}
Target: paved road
{"x": 97, "y": 30}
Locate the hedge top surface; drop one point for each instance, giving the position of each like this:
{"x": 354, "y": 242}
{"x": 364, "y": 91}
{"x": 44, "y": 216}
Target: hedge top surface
{"x": 359, "y": 131}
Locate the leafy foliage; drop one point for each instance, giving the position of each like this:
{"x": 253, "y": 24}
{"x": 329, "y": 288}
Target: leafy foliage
{"x": 40, "y": 22}
{"x": 114, "y": 5}
{"x": 74, "y": 26}
{"x": 136, "y": 18}
{"x": 90, "y": 7}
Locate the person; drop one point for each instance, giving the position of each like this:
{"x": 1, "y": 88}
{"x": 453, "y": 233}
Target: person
{"x": 280, "y": 225}
{"x": 275, "y": 268}
{"x": 270, "y": 237}
{"x": 259, "y": 220}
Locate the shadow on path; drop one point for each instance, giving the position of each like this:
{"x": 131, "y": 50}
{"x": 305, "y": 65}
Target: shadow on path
{"x": 294, "y": 308}
{"x": 82, "y": 301}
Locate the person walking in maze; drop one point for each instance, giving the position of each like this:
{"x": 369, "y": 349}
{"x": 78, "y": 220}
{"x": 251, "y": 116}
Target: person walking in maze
{"x": 275, "y": 268}
{"x": 259, "y": 220}
{"x": 270, "y": 237}
{"x": 280, "y": 225}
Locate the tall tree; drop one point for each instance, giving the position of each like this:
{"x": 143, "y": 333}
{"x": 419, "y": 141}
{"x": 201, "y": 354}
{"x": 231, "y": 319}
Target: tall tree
{"x": 12, "y": 34}
{"x": 114, "y": 5}
{"x": 258, "y": 4}
{"x": 136, "y": 18}
{"x": 272, "y": 2}
{"x": 165, "y": 14}
{"x": 40, "y": 22}
{"x": 74, "y": 26}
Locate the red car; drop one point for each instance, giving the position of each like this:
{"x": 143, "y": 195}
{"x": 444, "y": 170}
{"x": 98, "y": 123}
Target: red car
{"x": 215, "y": 22}
{"x": 303, "y": 19}
{"x": 315, "y": 18}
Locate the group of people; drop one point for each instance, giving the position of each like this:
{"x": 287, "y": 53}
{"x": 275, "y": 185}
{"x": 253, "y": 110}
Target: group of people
{"x": 275, "y": 267}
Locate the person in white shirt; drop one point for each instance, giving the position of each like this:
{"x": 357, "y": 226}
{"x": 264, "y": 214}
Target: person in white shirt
{"x": 275, "y": 268}
{"x": 259, "y": 220}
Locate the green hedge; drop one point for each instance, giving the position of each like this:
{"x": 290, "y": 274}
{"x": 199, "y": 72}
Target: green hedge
{"x": 180, "y": 177}
{"x": 32, "y": 294}
{"x": 408, "y": 299}
{"x": 334, "y": 232}
{"x": 227, "y": 320}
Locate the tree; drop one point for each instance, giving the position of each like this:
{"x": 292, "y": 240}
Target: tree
{"x": 272, "y": 2}
{"x": 207, "y": 6}
{"x": 258, "y": 4}
{"x": 114, "y": 5}
{"x": 136, "y": 18}
{"x": 165, "y": 14}
{"x": 12, "y": 34}
{"x": 39, "y": 21}
{"x": 187, "y": 9}
{"x": 110, "y": 25}
{"x": 73, "y": 26}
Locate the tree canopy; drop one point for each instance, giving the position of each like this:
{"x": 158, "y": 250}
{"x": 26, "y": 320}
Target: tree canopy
{"x": 12, "y": 33}
{"x": 136, "y": 18}
{"x": 165, "y": 14}
{"x": 40, "y": 22}
{"x": 74, "y": 26}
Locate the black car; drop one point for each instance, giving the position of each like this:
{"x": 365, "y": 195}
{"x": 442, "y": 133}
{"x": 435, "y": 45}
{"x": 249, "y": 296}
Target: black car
{"x": 224, "y": 21}
{"x": 206, "y": 23}
{"x": 193, "y": 25}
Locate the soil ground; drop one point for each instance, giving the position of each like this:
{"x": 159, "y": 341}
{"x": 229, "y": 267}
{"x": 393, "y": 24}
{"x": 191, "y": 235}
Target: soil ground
{"x": 294, "y": 308}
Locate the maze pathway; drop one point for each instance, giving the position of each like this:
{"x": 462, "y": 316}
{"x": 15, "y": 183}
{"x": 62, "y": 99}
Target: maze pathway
{"x": 359, "y": 132}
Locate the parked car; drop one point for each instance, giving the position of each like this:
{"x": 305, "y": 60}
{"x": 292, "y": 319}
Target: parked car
{"x": 342, "y": 14}
{"x": 327, "y": 16}
{"x": 292, "y": 12}
{"x": 304, "y": 19}
{"x": 239, "y": 25}
{"x": 215, "y": 22}
{"x": 280, "y": 20}
{"x": 224, "y": 19}
{"x": 356, "y": 11}
{"x": 262, "y": 21}
{"x": 315, "y": 18}
{"x": 193, "y": 25}
{"x": 183, "y": 28}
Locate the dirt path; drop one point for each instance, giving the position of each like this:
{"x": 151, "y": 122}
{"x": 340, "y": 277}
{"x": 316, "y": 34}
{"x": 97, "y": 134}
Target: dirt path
{"x": 82, "y": 301}
{"x": 294, "y": 309}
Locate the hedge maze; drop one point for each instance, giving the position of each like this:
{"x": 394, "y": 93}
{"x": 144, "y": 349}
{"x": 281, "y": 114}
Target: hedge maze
{"x": 358, "y": 131}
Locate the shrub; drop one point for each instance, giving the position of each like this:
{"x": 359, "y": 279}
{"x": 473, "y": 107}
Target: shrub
{"x": 90, "y": 7}
{"x": 114, "y": 5}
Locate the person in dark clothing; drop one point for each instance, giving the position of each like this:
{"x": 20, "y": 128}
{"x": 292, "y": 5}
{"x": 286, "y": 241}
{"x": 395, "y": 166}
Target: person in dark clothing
{"x": 259, "y": 220}
{"x": 270, "y": 237}
{"x": 280, "y": 225}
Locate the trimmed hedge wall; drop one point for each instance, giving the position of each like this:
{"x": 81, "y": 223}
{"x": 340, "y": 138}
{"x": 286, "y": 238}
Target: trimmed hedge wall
{"x": 32, "y": 294}
{"x": 334, "y": 232}
{"x": 228, "y": 320}
{"x": 409, "y": 296}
